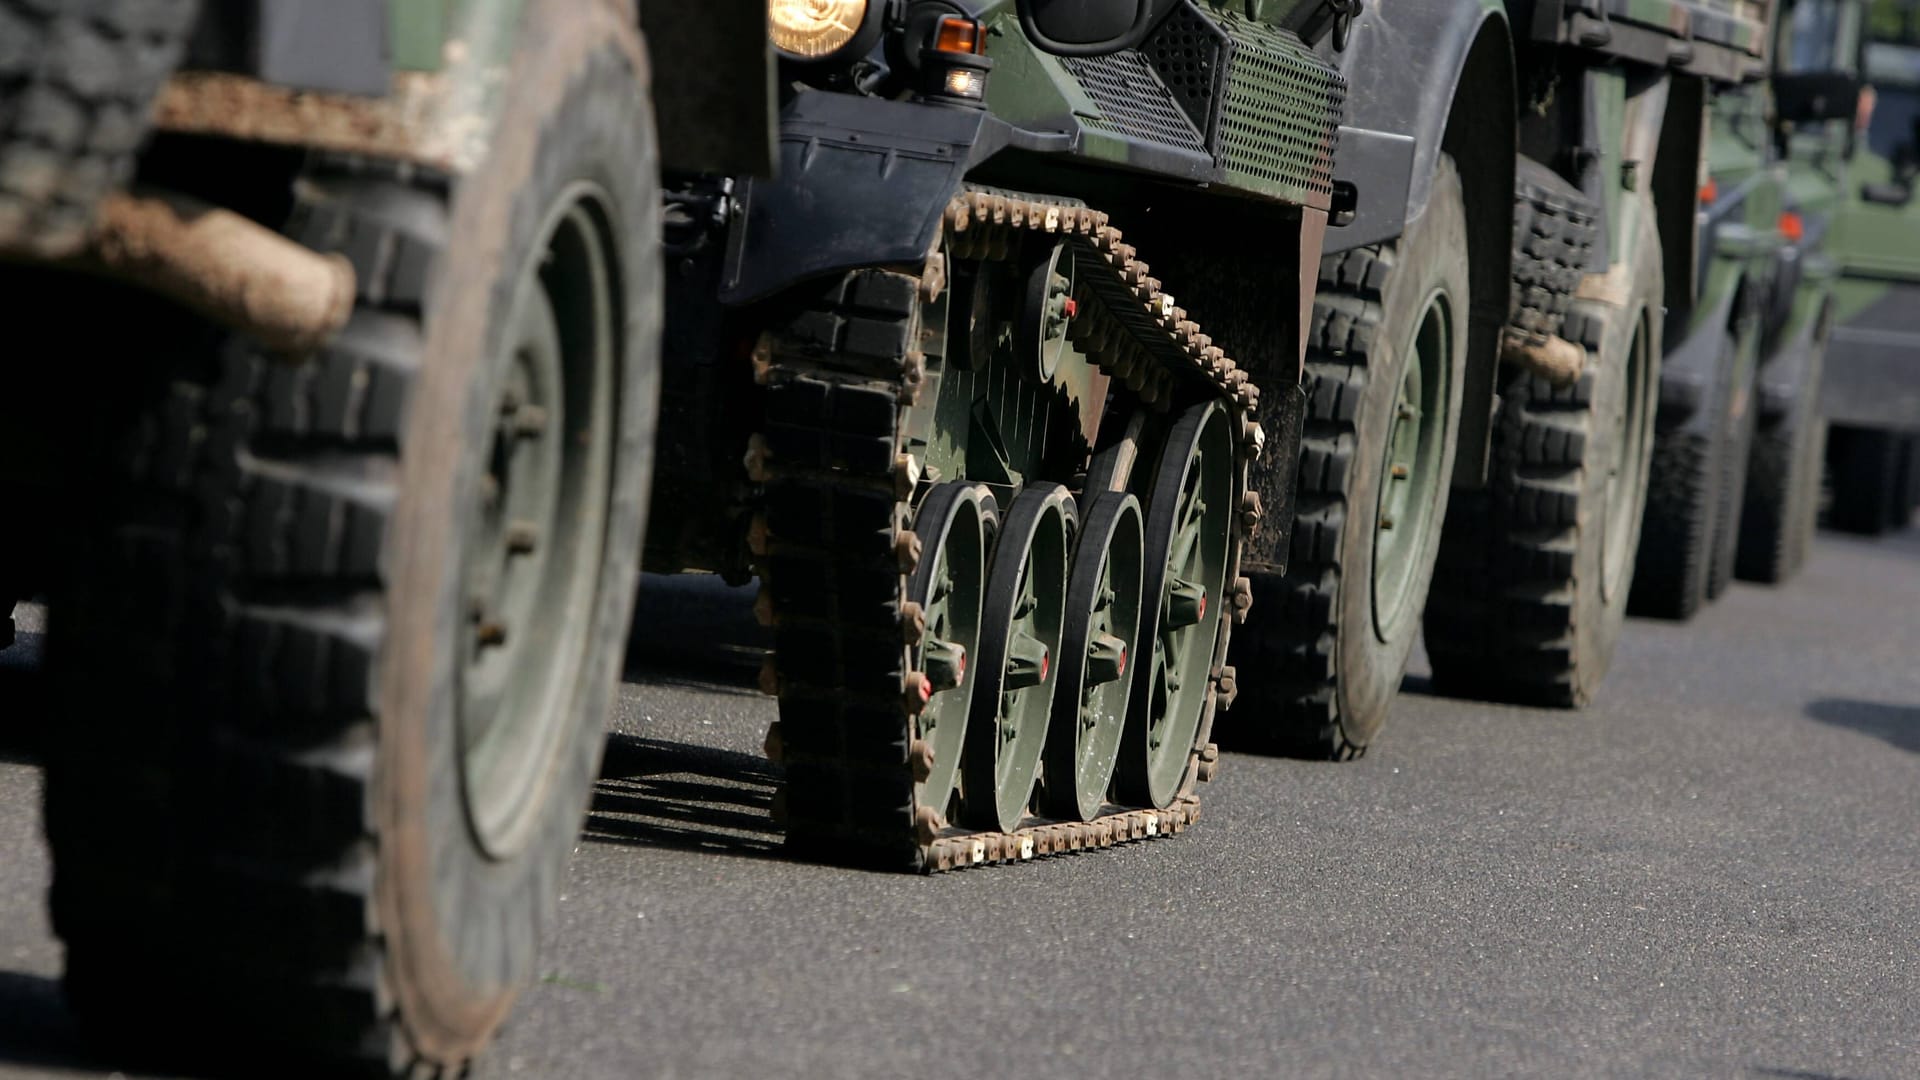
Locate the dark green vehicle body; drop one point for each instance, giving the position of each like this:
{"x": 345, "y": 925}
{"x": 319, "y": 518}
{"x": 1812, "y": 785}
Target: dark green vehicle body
{"x": 1872, "y": 395}
{"x": 1566, "y": 140}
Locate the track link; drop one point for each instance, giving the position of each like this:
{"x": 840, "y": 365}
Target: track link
{"x": 834, "y": 546}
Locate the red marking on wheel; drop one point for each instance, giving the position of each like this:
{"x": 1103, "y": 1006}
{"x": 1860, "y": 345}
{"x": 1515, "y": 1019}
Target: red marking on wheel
{"x": 1072, "y": 307}
{"x": 1046, "y": 665}
{"x": 1203, "y": 605}
{"x": 926, "y": 691}
{"x": 1122, "y": 669}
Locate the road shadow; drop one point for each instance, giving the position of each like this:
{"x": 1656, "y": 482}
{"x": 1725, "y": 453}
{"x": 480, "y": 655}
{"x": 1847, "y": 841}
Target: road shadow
{"x": 1793, "y": 1074}
{"x": 655, "y": 793}
{"x": 23, "y": 721}
{"x": 1898, "y": 725}
{"x": 698, "y": 632}
{"x": 36, "y": 1030}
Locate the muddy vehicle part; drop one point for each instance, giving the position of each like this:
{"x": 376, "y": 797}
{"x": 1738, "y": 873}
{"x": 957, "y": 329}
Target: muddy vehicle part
{"x": 856, "y": 386}
{"x": 1554, "y": 229}
{"x": 77, "y": 82}
{"x": 927, "y": 296}
{"x": 1873, "y": 472}
{"x": 365, "y": 607}
{"x": 1386, "y": 365}
{"x": 1782, "y": 501}
{"x": 1534, "y": 573}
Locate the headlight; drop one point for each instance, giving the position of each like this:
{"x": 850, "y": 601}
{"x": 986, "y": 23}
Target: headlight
{"x": 813, "y": 29}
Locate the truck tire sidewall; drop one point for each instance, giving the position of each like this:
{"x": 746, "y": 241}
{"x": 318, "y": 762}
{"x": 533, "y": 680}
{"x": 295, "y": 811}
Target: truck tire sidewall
{"x": 1600, "y": 606}
{"x": 462, "y": 927}
{"x": 1432, "y": 264}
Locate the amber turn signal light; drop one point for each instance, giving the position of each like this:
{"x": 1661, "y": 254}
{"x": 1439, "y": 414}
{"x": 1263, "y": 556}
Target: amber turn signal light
{"x": 959, "y": 34}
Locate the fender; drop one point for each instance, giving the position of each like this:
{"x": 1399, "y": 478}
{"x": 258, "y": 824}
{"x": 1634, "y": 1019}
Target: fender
{"x": 861, "y": 182}
{"x": 1403, "y": 66}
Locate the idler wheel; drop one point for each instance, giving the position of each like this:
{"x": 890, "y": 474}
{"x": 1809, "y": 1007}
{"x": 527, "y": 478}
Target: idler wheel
{"x": 1021, "y": 622}
{"x": 1189, "y": 531}
{"x": 1096, "y": 647}
{"x": 955, "y": 525}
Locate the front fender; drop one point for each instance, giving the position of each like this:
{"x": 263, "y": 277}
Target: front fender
{"x": 1403, "y": 64}
{"x": 862, "y": 182}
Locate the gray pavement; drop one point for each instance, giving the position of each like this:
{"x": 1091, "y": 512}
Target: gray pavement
{"x": 1711, "y": 873}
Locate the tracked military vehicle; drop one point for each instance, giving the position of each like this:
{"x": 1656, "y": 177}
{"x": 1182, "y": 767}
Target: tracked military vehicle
{"x": 976, "y": 387}
{"x": 1483, "y": 355}
{"x": 1872, "y": 385}
{"x": 330, "y": 382}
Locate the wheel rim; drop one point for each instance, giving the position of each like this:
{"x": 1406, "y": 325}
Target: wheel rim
{"x": 1101, "y": 630}
{"x": 1626, "y": 468}
{"x": 954, "y": 524}
{"x": 1188, "y": 531}
{"x": 1410, "y": 477}
{"x": 1020, "y": 625}
{"x": 536, "y": 531}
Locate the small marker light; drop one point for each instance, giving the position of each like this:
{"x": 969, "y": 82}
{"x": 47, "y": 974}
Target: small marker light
{"x": 1709, "y": 193}
{"x": 1792, "y": 227}
{"x": 959, "y": 34}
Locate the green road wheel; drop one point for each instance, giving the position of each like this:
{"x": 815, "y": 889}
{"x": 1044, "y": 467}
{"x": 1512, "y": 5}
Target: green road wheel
{"x": 1101, "y": 630}
{"x": 538, "y": 524}
{"x": 955, "y": 524}
{"x": 1188, "y": 535}
{"x": 1413, "y": 472}
{"x": 1021, "y": 619}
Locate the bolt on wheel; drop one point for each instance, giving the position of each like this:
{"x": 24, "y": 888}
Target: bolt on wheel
{"x": 538, "y": 524}
{"x": 1101, "y": 629}
{"x": 1021, "y": 621}
{"x": 955, "y": 525}
{"x": 1188, "y": 536}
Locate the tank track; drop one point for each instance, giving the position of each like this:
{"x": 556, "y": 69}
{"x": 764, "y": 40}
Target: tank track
{"x": 834, "y": 549}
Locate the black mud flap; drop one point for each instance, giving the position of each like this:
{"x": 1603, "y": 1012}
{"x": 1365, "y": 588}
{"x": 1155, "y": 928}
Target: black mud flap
{"x": 1282, "y": 413}
{"x": 861, "y": 182}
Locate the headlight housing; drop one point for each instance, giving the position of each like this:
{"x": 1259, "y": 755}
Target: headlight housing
{"x": 813, "y": 30}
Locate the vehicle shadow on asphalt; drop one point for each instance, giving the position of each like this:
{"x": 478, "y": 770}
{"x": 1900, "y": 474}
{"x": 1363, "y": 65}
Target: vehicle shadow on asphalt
{"x": 655, "y": 793}
{"x": 697, "y": 632}
{"x": 1898, "y": 725}
{"x": 36, "y": 1030}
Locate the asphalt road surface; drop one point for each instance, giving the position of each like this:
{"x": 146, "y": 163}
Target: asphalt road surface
{"x": 1712, "y": 873}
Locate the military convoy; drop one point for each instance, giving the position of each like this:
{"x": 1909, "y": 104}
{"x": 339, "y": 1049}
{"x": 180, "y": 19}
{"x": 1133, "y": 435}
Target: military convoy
{"x": 431, "y": 326}
{"x": 1872, "y": 386}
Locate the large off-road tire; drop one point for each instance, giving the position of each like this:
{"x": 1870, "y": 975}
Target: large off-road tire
{"x": 1321, "y": 660}
{"x": 334, "y": 680}
{"x": 1783, "y": 478}
{"x": 1743, "y": 427}
{"x": 77, "y": 81}
{"x": 1872, "y": 473}
{"x": 1686, "y": 497}
{"x": 1531, "y": 587}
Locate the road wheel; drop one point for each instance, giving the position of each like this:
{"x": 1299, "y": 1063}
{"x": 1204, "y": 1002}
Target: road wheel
{"x": 334, "y": 683}
{"x": 1531, "y": 589}
{"x": 1871, "y": 470}
{"x": 77, "y": 81}
{"x": 1320, "y": 664}
{"x": 1783, "y": 479}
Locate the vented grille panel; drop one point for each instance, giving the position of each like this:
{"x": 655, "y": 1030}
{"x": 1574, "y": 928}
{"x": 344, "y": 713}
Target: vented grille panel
{"x": 1282, "y": 110}
{"x": 1133, "y": 101}
{"x": 1190, "y": 54}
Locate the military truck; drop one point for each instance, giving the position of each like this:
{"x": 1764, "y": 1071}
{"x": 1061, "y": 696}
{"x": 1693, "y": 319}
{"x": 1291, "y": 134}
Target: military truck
{"x": 995, "y": 474}
{"x": 1484, "y": 355}
{"x": 1815, "y": 90}
{"x": 1872, "y": 387}
{"x": 331, "y": 376}
{"x": 1754, "y": 255}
